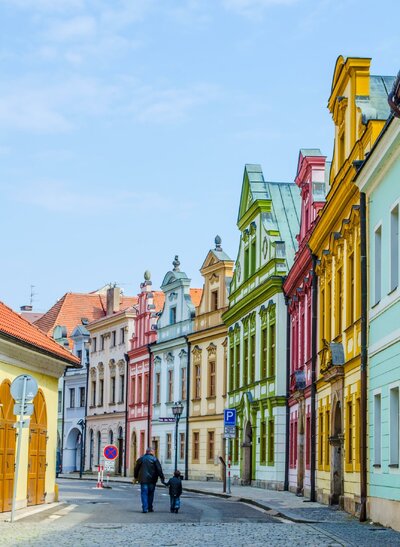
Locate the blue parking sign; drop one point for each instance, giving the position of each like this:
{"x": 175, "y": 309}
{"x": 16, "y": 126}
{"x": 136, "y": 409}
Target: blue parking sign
{"x": 230, "y": 416}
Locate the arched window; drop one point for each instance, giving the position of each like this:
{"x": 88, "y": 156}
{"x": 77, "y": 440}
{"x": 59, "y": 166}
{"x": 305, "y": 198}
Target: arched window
{"x": 110, "y": 437}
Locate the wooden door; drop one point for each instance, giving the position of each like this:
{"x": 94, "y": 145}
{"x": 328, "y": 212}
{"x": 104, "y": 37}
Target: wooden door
{"x": 37, "y": 452}
{"x": 7, "y": 447}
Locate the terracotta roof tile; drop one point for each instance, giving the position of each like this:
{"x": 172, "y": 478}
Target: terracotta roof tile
{"x": 195, "y": 295}
{"x": 159, "y": 299}
{"x": 12, "y": 324}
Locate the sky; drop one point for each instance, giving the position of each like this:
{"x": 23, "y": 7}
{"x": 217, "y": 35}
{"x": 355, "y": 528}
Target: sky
{"x": 125, "y": 126}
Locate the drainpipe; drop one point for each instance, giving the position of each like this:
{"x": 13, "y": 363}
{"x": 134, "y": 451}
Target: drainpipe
{"x": 364, "y": 360}
{"x": 126, "y": 410}
{"x": 187, "y": 411}
{"x": 288, "y": 356}
{"x": 62, "y": 421}
{"x": 149, "y": 397}
{"x": 314, "y": 303}
{"x": 87, "y": 365}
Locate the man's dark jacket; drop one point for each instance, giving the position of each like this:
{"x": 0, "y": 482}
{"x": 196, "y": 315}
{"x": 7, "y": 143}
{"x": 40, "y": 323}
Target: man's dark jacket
{"x": 175, "y": 486}
{"x": 148, "y": 469}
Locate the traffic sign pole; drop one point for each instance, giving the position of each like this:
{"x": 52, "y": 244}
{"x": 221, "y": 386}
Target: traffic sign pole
{"x": 228, "y": 491}
{"x": 20, "y": 426}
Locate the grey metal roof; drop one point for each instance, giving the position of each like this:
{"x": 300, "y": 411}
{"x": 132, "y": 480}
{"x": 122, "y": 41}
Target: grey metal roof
{"x": 375, "y": 106}
{"x": 313, "y": 152}
{"x": 221, "y": 255}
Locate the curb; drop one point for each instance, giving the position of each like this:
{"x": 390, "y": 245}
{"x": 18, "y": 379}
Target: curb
{"x": 28, "y": 512}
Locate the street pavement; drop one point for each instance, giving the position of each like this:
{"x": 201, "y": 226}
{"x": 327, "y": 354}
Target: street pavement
{"x": 90, "y": 517}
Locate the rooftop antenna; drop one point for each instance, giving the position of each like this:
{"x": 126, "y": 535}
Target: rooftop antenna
{"x": 33, "y": 293}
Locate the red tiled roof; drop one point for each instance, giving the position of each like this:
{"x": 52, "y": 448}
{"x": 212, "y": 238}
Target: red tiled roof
{"x": 17, "y": 327}
{"x": 31, "y": 316}
{"x": 159, "y": 299}
{"x": 195, "y": 295}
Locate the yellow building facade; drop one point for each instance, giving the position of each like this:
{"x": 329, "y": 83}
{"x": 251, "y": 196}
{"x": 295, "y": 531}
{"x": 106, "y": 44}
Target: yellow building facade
{"x": 208, "y": 382}
{"x": 26, "y": 350}
{"x": 359, "y": 109}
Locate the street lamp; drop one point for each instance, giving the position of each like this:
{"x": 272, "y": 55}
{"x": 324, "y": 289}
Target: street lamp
{"x": 177, "y": 410}
{"x": 82, "y": 424}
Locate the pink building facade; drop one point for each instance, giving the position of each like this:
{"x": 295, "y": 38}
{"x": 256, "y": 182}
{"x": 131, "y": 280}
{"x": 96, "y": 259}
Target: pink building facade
{"x": 312, "y": 174}
{"x": 139, "y": 407}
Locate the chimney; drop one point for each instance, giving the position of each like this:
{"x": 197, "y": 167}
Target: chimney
{"x": 26, "y": 308}
{"x": 113, "y": 300}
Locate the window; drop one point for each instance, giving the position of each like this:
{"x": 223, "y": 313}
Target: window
{"x": 82, "y": 398}
{"x": 197, "y": 381}
{"x": 170, "y": 385}
{"x": 377, "y": 430}
{"x": 146, "y": 389}
{"x": 101, "y": 392}
{"x": 71, "y": 397}
{"x": 133, "y": 390}
{"x": 321, "y": 439}
{"x": 237, "y": 364}
{"x": 94, "y": 344}
{"x": 394, "y": 248}
{"x": 139, "y": 389}
{"x": 394, "y": 427}
{"x": 79, "y": 355}
{"x": 253, "y": 257}
{"x": 112, "y": 391}
{"x": 110, "y": 437}
{"x": 183, "y": 384}
{"x": 339, "y": 312}
{"x": 263, "y": 443}
{"x": 231, "y": 368}
{"x": 252, "y": 357}
{"x": 211, "y": 379}
{"x": 94, "y": 393}
{"x": 328, "y": 331}
{"x": 272, "y": 349}
{"x": 271, "y": 440}
{"x": 350, "y": 432}
{"x": 102, "y": 339}
{"x": 196, "y": 443}
{"x": 59, "y": 401}
{"x": 246, "y": 264}
{"x": 113, "y": 338}
{"x": 326, "y": 439}
{"x": 246, "y": 361}
{"x": 264, "y": 352}
{"x": 122, "y": 336}
{"x": 214, "y": 300}
{"x": 172, "y": 315}
{"x": 168, "y": 454}
{"x": 121, "y": 388}
{"x": 181, "y": 446}
{"x": 210, "y": 445}
{"x": 98, "y": 447}
{"x": 308, "y": 442}
{"x": 351, "y": 289}
{"x": 157, "y": 388}
{"x": 322, "y": 318}
{"x": 378, "y": 264}
{"x": 142, "y": 442}
{"x": 235, "y": 450}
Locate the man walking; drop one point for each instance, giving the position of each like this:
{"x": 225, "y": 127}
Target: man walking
{"x": 147, "y": 470}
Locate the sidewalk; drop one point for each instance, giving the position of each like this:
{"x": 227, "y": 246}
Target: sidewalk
{"x": 284, "y": 504}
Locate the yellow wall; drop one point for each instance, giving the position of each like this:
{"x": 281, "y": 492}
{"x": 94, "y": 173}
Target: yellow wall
{"x": 49, "y": 386}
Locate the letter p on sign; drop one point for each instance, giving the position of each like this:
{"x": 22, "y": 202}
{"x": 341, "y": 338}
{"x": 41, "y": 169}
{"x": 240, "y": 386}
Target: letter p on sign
{"x": 230, "y": 416}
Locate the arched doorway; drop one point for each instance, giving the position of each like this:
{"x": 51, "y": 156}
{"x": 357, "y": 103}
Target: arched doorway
{"x": 133, "y": 452}
{"x": 72, "y": 451}
{"x": 247, "y": 454}
{"x": 120, "y": 444}
{"x": 7, "y": 446}
{"x": 336, "y": 442}
{"x": 91, "y": 449}
{"x": 37, "y": 451}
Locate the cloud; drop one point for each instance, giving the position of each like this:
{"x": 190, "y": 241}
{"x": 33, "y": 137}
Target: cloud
{"x": 45, "y": 5}
{"x": 253, "y": 8}
{"x": 4, "y": 150}
{"x": 75, "y": 28}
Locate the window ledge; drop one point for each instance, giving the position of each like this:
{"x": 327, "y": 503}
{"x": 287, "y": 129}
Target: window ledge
{"x": 375, "y": 305}
{"x": 196, "y": 399}
{"x": 393, "y": 465}
{"x": 377, "y": 465}
{"x": 211, "y": 398}
{"x": 393, "y": 290}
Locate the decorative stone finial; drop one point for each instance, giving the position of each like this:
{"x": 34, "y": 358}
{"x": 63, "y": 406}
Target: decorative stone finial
{"x": 147, "y": 275}
{"x": 218, "y": 242}
{"x": 176, "y": 264}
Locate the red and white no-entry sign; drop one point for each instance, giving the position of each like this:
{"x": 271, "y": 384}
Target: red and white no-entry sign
{"x": 110, "y": 452}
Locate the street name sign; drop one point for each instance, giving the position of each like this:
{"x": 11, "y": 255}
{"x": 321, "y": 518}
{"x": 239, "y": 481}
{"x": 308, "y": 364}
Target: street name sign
{"x": 166, "y": 419}
{"x": 110, "y": 452}
{"x": 230, "y": 432}
{"x": 109, "y": 465}
{"x": 230, "y": 416}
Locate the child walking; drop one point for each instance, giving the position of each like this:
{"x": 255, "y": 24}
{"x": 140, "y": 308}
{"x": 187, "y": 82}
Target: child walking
{"x": 175, "y": 491}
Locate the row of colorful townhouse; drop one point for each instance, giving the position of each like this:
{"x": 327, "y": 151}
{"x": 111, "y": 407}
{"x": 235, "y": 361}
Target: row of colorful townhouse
{"x": 300, "y": 335}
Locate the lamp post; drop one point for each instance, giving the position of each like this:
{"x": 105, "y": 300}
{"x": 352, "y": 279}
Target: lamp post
{"x": 177, "y": 410}
{"x": 82, "y": 425}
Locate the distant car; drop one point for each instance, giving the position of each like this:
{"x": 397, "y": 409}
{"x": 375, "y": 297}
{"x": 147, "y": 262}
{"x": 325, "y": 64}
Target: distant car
{"x": 58, "y": 463}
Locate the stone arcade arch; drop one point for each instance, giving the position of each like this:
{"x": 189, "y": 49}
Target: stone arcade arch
{"x": 133, "y": 452}
{"x": 336, "y": 442}
{"x": 7, "y": 446}
{"x": 72, "y": 451}
{"x": 37, "y": 451}
{"x": 247, "y": 454}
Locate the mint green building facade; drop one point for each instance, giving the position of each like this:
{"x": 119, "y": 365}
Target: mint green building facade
{"x": 268, "y": 222}
{"x": 379, "y": 179}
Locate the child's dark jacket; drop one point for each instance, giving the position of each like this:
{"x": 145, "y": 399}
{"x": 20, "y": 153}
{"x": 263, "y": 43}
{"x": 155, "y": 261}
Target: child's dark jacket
{"x": 175, "y": 486}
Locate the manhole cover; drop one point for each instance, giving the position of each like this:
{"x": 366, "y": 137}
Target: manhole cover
{"x": 103, "y": 526}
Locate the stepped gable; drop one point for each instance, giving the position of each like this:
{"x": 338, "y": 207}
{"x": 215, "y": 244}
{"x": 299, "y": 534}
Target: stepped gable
{"x": 12, "y": 325}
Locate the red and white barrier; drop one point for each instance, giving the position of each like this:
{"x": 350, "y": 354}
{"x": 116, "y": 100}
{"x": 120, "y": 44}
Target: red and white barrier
{"x": 100, "y": 476}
